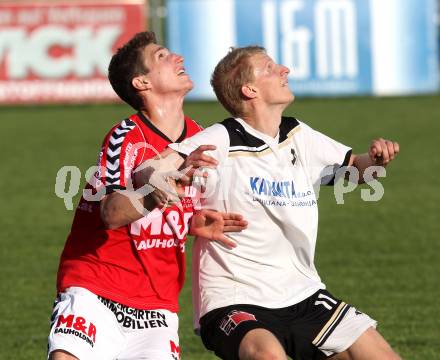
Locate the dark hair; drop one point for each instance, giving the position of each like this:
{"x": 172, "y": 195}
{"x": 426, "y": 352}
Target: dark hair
{"x": 126, "y": 64}
{"x": 230, "y": 74}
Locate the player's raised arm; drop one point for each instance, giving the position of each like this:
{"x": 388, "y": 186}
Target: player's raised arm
{"x": 380, "y": 153}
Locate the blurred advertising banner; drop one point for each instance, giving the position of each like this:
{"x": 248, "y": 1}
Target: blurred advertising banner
{"x": 59, "y": 51}
{"x": 332, "y": 47}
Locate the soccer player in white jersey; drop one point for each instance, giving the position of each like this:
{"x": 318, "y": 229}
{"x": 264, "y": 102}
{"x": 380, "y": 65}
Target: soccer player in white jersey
{"x": 264, "y": 298}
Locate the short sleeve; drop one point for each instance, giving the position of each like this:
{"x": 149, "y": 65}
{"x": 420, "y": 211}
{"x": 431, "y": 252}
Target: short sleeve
{"x": 120, "y": 153}
{"x": 324, "y": 156}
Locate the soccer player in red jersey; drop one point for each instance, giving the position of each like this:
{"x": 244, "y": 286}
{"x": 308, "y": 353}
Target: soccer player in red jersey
{"x": 121, "y": 272}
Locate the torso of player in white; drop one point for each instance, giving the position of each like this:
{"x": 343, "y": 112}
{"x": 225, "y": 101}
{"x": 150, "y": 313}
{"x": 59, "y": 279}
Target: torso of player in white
{"x": 270, "y": 181}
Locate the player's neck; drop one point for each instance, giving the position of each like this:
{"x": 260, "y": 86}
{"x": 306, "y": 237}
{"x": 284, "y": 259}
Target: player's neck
{"x": 166, "y": 113}
{"x": 264, "y": 119}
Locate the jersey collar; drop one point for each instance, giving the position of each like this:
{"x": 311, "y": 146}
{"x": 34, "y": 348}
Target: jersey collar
{"x": 272, "y": 142}
{"x": 153, "y": 128}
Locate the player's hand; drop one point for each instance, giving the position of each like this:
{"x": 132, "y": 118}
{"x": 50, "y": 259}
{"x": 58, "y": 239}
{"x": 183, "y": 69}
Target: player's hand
{"x": 160, "y": 199}
{"x": 212, "y": 225}
{"x": 196, "y": 160}
{"x": 383, "y": 151}
{"x": 157, "y": 178}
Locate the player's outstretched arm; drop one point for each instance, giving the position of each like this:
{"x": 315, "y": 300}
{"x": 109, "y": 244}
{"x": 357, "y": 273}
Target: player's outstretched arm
{"x": 380, "y": 153}
{"x": 212, "y": 225}
{"x": 158, "y": 183}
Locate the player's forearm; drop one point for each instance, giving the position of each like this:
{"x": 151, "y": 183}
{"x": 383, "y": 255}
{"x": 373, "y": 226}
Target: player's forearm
{"x": 120, "y": 209}
{"x": 380, "y": 153}
{"x": 361, "y": 162}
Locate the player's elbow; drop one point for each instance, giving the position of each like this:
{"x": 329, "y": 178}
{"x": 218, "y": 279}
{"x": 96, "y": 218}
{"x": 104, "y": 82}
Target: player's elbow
{"x": 110, "y": 219}
{"x": 110, "y": 216}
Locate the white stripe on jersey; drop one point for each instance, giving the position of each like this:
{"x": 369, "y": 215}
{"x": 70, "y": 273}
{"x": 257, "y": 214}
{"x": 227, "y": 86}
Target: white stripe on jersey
{"x": 112, "y": 165}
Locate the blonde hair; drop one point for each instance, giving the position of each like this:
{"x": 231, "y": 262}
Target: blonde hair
{"x": 230, "y": 74}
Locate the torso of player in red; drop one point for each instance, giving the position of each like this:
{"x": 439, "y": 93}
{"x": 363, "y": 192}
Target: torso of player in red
{"x": 141, "y": 265}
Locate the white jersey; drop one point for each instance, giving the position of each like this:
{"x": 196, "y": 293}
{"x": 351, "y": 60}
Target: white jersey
{"x": 271, "y": 182}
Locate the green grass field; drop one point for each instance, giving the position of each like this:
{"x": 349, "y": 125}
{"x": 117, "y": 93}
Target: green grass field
{"x": 384, "y": 256}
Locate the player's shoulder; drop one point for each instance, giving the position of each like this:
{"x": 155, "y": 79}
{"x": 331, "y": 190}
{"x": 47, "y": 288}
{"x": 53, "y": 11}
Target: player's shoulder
{"x": 192, "y": 126}
{"x": 289, "y": 122}
{"x": 242, "y": 140}
{"x": 288, "y": 125}
{"x": 123, "y": 126}
{"x": 238, "y": 136}
{"x": 212, "y": 135}
{"x": 215, "y": 129}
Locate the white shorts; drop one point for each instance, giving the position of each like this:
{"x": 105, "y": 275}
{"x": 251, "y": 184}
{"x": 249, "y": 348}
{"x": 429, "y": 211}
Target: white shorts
{"x": 92, "y": 328}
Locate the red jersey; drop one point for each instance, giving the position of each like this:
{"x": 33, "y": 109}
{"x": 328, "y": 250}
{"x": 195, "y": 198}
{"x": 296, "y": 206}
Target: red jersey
{"x": 142, "y": 264}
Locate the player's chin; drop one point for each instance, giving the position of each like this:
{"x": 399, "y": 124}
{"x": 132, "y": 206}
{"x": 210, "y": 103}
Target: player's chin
{"x": 187, "y": 83}
{"x": 182, "y": 88}
{"x": 289, "y": 97}
{"x": 286, "y": 100}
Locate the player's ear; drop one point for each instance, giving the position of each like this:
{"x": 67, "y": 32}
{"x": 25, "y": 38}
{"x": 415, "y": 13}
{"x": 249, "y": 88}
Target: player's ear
{"x": 249, "y": 91}
{"x": 141, "y": 83}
